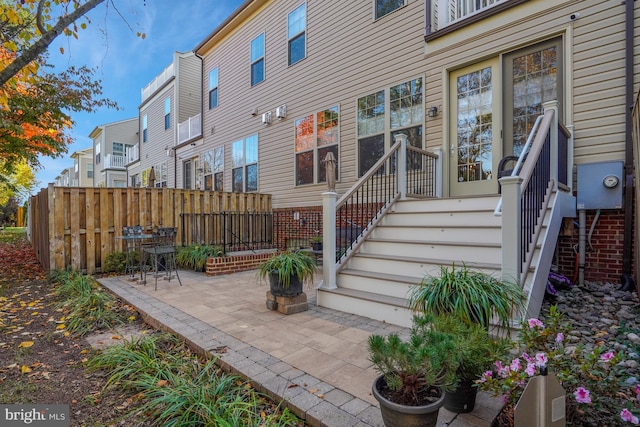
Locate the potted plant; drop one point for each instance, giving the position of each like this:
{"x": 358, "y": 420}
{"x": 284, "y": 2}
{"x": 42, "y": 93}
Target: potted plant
{"x": 413, "y": 374}
{"x": 287, "y": 271}
{"x": 475, "y": 352}
{"x": 316, "y": 243}
{"x": 471, "y": 296}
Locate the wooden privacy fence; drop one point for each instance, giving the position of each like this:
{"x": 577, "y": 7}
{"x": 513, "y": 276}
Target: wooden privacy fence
{"x": 77, "y": 227}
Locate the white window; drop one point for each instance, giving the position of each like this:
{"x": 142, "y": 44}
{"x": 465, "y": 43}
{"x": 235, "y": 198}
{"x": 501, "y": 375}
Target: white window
{"x": 167, "y": 113}
{"x": 119, "y": 148}
{"x": 89, "y": 170}
{"x": 160, "y": 174}
{"x": 257, "y": 60}
{"x": 98, "y": 153}
{"x": 404, "y": 103}
{"x": 296, "y": 34}
{"x": 144, "y": 128}
{"x": 316, "y": 135}
{"x": 244, "y": 160}
{"x": 213, "y": 88}
{"x": 213, "y": 169}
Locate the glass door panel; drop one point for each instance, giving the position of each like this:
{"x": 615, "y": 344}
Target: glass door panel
{"x": 475, "y": 130}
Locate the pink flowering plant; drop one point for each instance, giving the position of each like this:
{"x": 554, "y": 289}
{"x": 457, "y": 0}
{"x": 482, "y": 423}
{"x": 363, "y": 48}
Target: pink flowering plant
{"x": 593, "y": 378}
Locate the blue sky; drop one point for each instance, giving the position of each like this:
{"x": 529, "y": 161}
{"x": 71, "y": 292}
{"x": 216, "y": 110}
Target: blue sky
{"x": 126, "y": 63}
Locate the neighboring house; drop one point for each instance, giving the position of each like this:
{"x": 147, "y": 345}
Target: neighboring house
{"x": 64, "y": 179}
{"x": 283, "y": 86}
{"x": 110, "y": 144}
{"x": 82, "y": 175}
{"x": 169, "y": 118}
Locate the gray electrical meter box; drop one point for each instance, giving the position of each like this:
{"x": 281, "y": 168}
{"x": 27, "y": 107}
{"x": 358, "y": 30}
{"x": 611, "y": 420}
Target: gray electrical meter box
{"x": 600, "y": 185}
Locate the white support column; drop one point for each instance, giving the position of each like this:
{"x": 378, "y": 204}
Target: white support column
{"x": 438, "y": 173}
{"x": 401, "y": 167}
{"x": 511, "y": 228}
{"x": 553, "y": 133}
{"x": 570, "y": 158}
{"x": 329, "y": 201}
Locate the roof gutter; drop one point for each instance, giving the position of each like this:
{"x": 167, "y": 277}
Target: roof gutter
{"x": 627, "y": 280}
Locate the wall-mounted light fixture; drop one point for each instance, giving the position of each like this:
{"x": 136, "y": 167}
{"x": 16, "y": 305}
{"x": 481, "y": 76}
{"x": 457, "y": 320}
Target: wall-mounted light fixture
{"x": 433, "y": 111}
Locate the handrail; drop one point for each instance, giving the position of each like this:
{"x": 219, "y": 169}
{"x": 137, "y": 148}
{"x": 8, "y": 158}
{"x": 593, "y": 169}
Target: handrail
{"x": 364, "y": 203}
{"x": 523, "y": 155}
{"x": 529, "y": 195}
{"x": 364, "y": 178}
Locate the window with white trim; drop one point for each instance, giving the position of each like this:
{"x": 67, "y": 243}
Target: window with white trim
{"x": 213, "y": 88}
{"x": 119, "y": 148}
{"x": 244, "y": 162}
{"x": 213, "y": 169}
{"x": 161, "y": 174}
{"x": 316, "y": 135}
{"x": 404, "y": 103}
{"x": 385, "y": 7}
{"x": 89, "y": 170}
{"x": 144, "y": 128}
{"x": 296, "y": 34}
{"x": 98, "y": 153}
{"x": 167, "y": 113}
{"x": 257, "y": 60}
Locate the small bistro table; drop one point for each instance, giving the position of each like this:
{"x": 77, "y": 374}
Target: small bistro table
{"x": 136, "y": 243}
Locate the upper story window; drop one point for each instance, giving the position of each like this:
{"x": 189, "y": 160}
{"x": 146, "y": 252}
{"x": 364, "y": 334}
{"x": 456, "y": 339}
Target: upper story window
{"x": 213, "y": 168}
{"x": 144, "y": 128}
{"x": 244, "y": 160}
{"x": 404, "y": 104}
{"x": 119, "y": 149}
{"x": 443, "y": 13}
{"x": 296, "y": 34}
{"x": 257, "y": 60}
{"x": 98, "y": 153}
{"x": 213, "y": 88}
{"x": 167, "y": 113}
{"x": 384, "y": 7}
{"x": 316, "y": 136}
{"x": 89, "y": 170}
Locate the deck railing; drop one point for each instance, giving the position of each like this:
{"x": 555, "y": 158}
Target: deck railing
{"x": 527, "y": 192}
{"x": 190, "y": 128}
{"x": 402, "y": 171}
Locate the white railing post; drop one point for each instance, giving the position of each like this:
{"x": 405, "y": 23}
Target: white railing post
{"x": 401, "y": 167}
{"x": 437, "y": 174}
{"x": 570, "y": 158}
{"x": 329, "y": 202}
{"x": 553, "y": 133}
{"x": 511, "y": 228}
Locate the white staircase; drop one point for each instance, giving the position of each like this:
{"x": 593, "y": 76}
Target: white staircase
{"x": 416, "y": 238}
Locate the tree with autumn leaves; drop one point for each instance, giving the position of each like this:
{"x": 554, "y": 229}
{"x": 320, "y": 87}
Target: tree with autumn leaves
{"x": 36, "y": 103}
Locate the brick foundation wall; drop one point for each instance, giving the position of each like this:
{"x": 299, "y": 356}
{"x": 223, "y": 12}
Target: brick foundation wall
{"x": 235, "y": 263}
{"x": 296, "y": 226}
{"x": 604, "y": 261}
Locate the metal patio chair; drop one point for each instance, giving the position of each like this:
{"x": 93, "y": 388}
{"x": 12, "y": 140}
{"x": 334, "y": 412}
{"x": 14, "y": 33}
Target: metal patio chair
{"x": 162, "y": 254}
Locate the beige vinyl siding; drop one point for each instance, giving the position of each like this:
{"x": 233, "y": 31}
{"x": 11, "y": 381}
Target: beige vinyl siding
{"x": 594, "y": 75}
{"x": 153, "y": 152}
{"x": 351, "y": 55}
{"x": 348, "y": 56}
{"x": 189, "y": 82}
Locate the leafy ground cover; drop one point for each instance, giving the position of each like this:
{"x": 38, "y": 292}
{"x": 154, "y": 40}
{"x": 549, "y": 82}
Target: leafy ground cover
{"x": 45, "y": 357}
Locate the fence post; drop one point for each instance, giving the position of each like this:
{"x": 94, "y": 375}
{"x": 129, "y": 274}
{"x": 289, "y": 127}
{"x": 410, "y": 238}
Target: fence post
{"x": 511, "y": 228}
{"x": 329, "y": 202}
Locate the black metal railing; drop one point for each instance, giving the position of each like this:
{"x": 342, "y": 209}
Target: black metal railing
{"x": 233, "y": 231}
{"x": 250, "y": 231}
{"x": 421, "y": 176}
{"x": 533, "y": 197}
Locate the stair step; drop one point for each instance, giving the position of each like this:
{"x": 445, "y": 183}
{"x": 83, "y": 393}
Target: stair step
{"x": 443, "y": 219}
{"x": 411, "y": 266}
{"x": 482, "y": 203}
{"x": 384, "y": 308}
{"x": 484, "y": 233}
{"x": 469, "y": 252}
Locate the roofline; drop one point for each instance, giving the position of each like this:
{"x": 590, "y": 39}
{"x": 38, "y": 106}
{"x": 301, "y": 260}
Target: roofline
{"x": 228, "y": 25}
{"x": 99, "y": 127}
